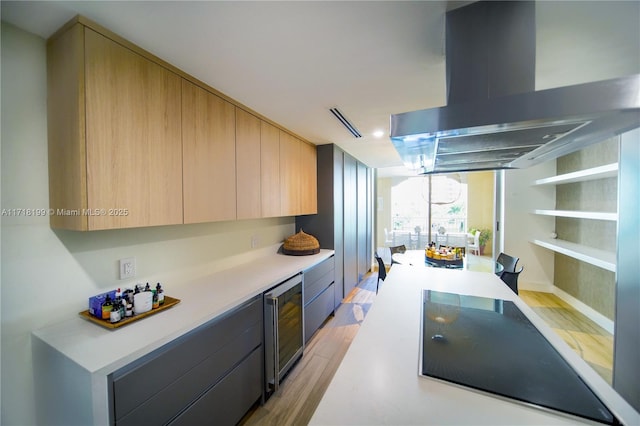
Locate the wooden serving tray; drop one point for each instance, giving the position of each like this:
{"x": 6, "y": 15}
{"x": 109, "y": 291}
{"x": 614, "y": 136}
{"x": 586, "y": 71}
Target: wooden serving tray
{"x": 168, "y": 302}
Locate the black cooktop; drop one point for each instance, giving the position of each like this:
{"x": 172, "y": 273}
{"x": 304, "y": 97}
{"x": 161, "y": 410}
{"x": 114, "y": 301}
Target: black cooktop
{"x": 490, "y": 345}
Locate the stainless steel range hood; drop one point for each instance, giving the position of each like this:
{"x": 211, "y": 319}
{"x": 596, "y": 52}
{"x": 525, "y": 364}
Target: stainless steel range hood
{"x": 494, "y": 118}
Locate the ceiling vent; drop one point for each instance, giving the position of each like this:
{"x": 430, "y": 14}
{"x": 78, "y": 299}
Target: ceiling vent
{"x": 350, "y": 127}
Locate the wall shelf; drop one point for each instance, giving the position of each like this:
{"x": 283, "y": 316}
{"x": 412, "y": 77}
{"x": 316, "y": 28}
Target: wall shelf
{"x": 601, "y": 258}
{"x": 601, "y": 172}
{"x": 578, "y": 214}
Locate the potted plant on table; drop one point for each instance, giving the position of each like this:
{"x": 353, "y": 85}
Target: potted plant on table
{"x": 485, "y": 235}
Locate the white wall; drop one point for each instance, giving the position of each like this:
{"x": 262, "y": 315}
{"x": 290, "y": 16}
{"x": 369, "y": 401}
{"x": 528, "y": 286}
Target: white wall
{"x": 583, "y": 41}
{"x": 521, "y": 226}
{"x": 48, "y": 275}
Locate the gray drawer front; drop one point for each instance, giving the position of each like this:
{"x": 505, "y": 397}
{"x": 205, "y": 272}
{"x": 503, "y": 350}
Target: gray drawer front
{"x": 317, "y": 279}
{"x": 314, "y": 273}
{"x": 228, "y": 401}
{"x": 167, "y": 403}
{"x": 317, "y": 311}
{"x": 137, "y": 383}
{"x": 311, "y": 290}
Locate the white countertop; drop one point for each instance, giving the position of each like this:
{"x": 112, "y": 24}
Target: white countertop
{"x": 201, "y": 300}
{"x": 377, "y": 382}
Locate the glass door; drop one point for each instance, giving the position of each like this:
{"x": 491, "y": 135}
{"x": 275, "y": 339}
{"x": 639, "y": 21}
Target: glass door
{"x": 426, "y": 209}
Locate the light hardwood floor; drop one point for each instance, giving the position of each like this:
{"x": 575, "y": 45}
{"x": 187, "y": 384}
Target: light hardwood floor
{"x": 589, "y": 340}
{"x": 302, "y": 389}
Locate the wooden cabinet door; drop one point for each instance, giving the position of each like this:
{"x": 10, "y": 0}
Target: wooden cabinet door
{"x": 290, "y": 155}
{"x": 66, "y": 129}
{"x": 270, "y": 169}
{"x": 308, "y": 179}
{"x": 133, "y": 144}
{"x": 133, "y": 138}
{"x": 209, "y": 156}
{"x": 248, "y": 174}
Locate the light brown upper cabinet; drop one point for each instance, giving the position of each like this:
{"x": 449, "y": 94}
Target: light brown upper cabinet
{"x": 298, "y": 187}
{"x": 290, "y": 167}
{"x": 209, "y": 155}
{"x": 308, "y": 179}
{"x": 134, "y": 142}
{"x": 248, "y": 171}
{"x": 114, "y": 131}
{"x": 270, "y": 169}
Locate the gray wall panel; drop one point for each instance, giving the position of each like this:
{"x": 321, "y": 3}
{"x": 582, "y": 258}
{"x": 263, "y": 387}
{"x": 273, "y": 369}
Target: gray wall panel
{"x": 350, "y": 224}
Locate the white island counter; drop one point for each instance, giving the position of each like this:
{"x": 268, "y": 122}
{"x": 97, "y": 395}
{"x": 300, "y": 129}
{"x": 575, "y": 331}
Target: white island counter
{"x": 378, "y": 381}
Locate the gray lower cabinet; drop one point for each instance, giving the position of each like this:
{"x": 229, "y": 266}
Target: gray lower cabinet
{"x": 228, "y": 401}
{"x": 319, "y": 290}
{"x": 344, "y": 219}
{"x": 212, "y": 375}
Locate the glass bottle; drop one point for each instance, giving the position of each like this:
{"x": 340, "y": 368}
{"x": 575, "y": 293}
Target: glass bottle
{"x": 114, "y": 315}
{"x": 119, "y": 303}
{"x": 160, "y": 294}
{"x": 107, "y": 306}
{"x": 129, "y": 305}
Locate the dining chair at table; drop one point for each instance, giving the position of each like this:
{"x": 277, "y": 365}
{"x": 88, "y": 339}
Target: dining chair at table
{"x": 475, "y": 245}
{"x": 508, "y": 262}
{"x": 388, "y": 237}
{"x": 511, "y": 279}
{"x": 382, "y": 270}
{"x": 397, "y": 249}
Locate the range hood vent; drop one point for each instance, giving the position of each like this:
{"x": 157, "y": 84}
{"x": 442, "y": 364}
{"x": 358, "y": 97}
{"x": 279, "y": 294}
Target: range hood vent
{"x": 494, "y": 118}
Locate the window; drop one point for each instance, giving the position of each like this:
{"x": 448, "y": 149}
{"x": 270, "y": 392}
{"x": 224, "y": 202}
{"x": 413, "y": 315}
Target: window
{"x": 421, "y": 204}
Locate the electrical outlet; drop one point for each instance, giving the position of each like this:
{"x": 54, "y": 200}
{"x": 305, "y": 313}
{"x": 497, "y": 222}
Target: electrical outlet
{"x": 255, "y": 241}
{"x": 127, "y": 268}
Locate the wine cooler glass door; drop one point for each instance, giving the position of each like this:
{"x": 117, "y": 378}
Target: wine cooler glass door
{"x": 284, "y": 336}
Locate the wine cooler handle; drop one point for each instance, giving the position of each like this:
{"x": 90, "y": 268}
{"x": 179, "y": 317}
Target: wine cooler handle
{"x": 276, "y": 345}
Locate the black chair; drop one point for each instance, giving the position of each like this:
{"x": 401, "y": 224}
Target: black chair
{"x": 382, "y": 271}
{"x": 397, "y": 249}
{"x": 511, "y": 279}
{"x": 508, "y": 262}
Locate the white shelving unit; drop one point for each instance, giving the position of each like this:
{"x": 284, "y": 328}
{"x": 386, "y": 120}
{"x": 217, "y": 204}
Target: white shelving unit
{"x": 597, "y": 257}
{"x": 579, "y": 214}
{"x": 601, "y": 172}
{"x": 600, "y": 258}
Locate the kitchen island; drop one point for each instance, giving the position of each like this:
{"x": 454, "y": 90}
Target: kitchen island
{"x": 378, "y": 381}
{"x": 74, "y": 359}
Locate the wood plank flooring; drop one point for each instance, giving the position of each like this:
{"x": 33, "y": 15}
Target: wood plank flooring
{"x": 302, "y": 389}
{"x": 589, "y": 340}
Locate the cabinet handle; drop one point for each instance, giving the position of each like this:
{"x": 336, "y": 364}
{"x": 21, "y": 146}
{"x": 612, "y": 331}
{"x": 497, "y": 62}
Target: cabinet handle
{"x": 276, "y": 345}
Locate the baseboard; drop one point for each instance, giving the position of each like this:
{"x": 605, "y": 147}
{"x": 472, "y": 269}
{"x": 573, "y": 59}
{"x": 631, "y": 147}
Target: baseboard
{"x": 541, "y": 287}
{"x": 586, "y": 310}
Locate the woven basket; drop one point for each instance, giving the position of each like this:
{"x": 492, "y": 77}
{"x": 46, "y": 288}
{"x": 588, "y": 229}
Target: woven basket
{"x": 301, "y": 244}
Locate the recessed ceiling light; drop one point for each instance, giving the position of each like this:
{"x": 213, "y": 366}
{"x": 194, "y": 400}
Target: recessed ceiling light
{"x": 378, "y": 133}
